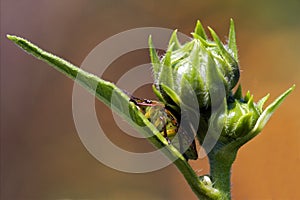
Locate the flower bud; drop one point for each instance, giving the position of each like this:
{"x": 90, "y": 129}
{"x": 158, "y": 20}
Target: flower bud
{"x": 208, "y": 70}
{"x": 195, "y": 66}
{"x": 244, "y": 119}
{"x": 241, "y": 116}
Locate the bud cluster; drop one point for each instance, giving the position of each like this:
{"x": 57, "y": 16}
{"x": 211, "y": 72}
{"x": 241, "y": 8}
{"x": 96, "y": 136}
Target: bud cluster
{"x": 193, "y": 69}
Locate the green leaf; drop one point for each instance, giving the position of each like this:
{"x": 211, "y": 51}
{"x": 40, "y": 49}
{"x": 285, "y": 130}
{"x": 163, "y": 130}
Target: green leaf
{"x": 103, "y": 91}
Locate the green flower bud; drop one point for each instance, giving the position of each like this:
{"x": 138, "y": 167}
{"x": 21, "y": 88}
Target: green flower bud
{"x": 195, "y": 66}
{"x": 244, "y": 119}
{"x": 241, "y": 117}
{"x": 208, "y": 70}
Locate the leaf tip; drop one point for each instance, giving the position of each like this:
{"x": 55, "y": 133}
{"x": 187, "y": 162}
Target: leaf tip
{"x": 293, "y": 87}
{"x": 12, "y": 37}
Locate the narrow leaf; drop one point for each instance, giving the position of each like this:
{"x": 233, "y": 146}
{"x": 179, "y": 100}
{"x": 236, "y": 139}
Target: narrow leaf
{"x": 103, "y": 90}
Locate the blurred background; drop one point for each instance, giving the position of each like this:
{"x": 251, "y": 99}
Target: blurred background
{"x": 42, "y": 156}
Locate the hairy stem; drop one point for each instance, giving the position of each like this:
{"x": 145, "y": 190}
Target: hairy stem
{"x": 220, "y": 160}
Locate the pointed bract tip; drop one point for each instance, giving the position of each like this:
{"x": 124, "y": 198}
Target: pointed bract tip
{"x": 150, "y": 39}
{"x": 232, "y": 40}
{"x": 238, "y": 93}
{"x": 167, "y": 58}
{"x": 214, "y": 36}
{"x": 150, "y": 43}
{"x": 199, "y": 30}
{"x": 174, "y": 40}
{"x": 268, "y": 112}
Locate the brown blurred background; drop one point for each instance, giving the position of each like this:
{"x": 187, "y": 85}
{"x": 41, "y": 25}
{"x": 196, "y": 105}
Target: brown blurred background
{"x": 42, "y": 156}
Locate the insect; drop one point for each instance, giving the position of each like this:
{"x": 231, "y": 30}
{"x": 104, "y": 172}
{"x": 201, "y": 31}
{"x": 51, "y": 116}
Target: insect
{"x": 168, "y": 125}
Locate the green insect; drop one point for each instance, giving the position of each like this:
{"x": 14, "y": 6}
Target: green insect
{"x": 168, "y": 125}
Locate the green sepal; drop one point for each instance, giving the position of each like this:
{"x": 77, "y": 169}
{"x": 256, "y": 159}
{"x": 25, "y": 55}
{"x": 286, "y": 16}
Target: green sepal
{"x": 193, "y": 73}
{"x": 171, "y": 94}
{"x": 233, "y": 113}
{"x": 199, "y": 30}
{"x": 252, "y": 106}
{"x": 238, "y": 93}
{"x": 232, "y": 65}
{"x": 158, "y": 94}
{"x": 243, "y": 125}
{"x": 174, "y": 41}
{"x": 166, "y": 95}
{"x": 154, "y": 59}
{"x": 205, "y": 43}
{"x": 267, "y": 113}
{"x": 232, "y": 40}
{"x": 231, "y": 61}
{"x": 166, "y": 69}
{"x": 261, "y": 102}
{"x": 247, "y": 96}
{"x": 215, "y": 79}
{"x": 194, "y": 56}
{"x": 181, "y": 53}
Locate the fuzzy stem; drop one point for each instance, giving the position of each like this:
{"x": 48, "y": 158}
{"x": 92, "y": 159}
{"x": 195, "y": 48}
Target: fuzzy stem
{"x": 220, "y": 160}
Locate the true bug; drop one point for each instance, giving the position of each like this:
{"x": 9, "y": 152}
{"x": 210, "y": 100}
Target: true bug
{"x": 168, "y": 125}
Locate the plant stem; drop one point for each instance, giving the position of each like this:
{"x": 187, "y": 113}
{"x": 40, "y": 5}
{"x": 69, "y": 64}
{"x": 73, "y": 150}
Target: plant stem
{"x": 220, "y": 160}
